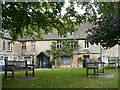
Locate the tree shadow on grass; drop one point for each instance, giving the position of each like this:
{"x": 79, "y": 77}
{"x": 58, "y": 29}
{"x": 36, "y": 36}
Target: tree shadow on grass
{"x": 22, "y": 78}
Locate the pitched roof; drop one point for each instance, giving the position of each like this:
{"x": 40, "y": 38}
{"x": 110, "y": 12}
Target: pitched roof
{"x": 43, "y": 53}
{"x": 79, "y": 34}
{"x": 5, "y": 35}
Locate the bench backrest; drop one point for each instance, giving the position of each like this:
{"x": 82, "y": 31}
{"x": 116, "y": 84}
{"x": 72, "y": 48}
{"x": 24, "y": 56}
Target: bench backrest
{"x": 16, "y": 64}
{"x": 112, "y": 60}
{"x": 95, "y": 64}
{"x": 119, "y": 60}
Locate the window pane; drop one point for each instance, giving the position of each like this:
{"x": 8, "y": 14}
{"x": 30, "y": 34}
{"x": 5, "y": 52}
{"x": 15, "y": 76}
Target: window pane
{"x": 3, "y": 45}
{"x": 29, "y": 60}
{"x": 66, "y": 60}
{"x": 1, "y": 57}
{"x": 5, "y": 58}
{"x": 23, "y": 45}
{"x": 86, "y": 44}
{"x": 59, "y": 44}
{"x": 33, "y": 45}
{"x": 8, "y": 45}
{"x": 15, "y": 58}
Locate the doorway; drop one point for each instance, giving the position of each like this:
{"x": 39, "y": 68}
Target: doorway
{"x": 43, "y": 60}
{"x": 85, "y": 60}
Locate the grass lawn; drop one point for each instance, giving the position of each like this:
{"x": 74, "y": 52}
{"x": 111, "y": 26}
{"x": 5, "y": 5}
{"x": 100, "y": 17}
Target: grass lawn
{"x": 62, "y": 78}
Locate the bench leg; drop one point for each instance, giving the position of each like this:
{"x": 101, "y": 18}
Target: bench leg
{"x": 13, "y": 74}
{"x": 103, "y": 71}
{"x": 33, "y": 72}
{"x": 26, "y": 73}
{"x": 97, "y": 72}
{"x": 87, "y": 72}
{"x": 94, "y": 72}
{"x": 116, "y": 66}
{"x": 109, "y": 66}
{"x": 5, "y": 74}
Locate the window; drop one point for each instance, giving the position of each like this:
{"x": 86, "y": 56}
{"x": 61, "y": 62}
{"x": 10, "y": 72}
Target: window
{"x": 2, "y": 62}
{"x": 9, "y": 46}
{"x": 86, "y": 44}
{"x": 73, "y": 44}
{"x": 65, "y": 60}
{"x": 70, "y": 33}
{"x": 3, "y": 45}
{"x": 29, "y": 59}
{"x": 33, "y": 45}
{"x": 15, "y": 58}
{"x": 5, "y": 58}
{"x": 1, "y": 57}
{"x": 24, "y": 45}
{"x": 59, "y": 44}
{"x": 68, "y": 43}
{"x": 105, "y": 59}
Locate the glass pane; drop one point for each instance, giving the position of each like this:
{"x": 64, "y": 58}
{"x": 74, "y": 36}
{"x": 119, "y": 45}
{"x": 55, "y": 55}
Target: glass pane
{"x": 66, "y": 60}
{"x": 29, "y": 61}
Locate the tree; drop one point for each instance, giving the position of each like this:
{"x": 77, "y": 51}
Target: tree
{"x": 107, "y": 27}
{"x": 31, "y": 19}
{"x": 106, "y": 33}
{"x": 67, "y": 49}
{"x": 105, "y": 17}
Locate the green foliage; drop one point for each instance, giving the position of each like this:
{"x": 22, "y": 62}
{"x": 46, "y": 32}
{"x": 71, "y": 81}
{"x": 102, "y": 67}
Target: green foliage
{"x": 58, "y": 60}
{"x": 26, "y": 19}
{"x": 79, "y": 59}
{"x": 32, "y": 19}
{"x": 67, "y": 48}
{"x": 107, "y": 27}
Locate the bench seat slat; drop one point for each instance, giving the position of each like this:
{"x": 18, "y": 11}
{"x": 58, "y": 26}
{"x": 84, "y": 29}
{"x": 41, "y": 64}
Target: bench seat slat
{"x": 14, "y": 66}
{"x": 96, "y": 66}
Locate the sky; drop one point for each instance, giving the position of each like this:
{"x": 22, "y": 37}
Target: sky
{"x": 80, "y": 11}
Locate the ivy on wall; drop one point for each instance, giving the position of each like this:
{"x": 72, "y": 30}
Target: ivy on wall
{"x": 66, "y": 50}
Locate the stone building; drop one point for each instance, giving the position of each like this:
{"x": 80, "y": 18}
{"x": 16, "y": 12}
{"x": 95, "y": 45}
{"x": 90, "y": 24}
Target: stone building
{"x": 28, "y": 49}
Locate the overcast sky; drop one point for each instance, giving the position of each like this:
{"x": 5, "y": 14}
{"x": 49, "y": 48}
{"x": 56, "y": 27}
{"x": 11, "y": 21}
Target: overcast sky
{"x": 80, "y": 11}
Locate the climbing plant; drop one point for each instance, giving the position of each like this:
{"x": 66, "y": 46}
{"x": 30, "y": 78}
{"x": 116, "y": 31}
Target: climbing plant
{"x": 66, "y": 49}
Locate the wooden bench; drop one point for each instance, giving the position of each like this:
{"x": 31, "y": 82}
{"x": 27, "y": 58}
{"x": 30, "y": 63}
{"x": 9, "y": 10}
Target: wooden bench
{"x": 118, "y": 62}
{"x": 98, "y": 68}
{"x": 14, "y": 66}
{"x": 113, "y": 61}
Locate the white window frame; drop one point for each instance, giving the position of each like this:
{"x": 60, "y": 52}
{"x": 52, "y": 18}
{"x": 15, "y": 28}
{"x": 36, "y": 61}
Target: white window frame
{"x": 33, "y": 45}
{"x": 73, "y": 44}
{"x": 9, "y": 46}
{"x": 15, "y": 58}
{"x": 3, "y": 47}
{"x": 29, "y": 60}
{"x": 1, "y": 57}
{"x": 85, "y": 47}
{"x": 59, "y": 44}
{"x": 6, "y": 57}
{"x": 64, "y": 61}
{"x": 23, "y": 45}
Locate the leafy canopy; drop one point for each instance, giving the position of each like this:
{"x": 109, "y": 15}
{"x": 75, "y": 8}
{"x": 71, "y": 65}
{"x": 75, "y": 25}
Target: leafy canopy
{"x": 66, "y": 48}
{"x": 107, "y": 27}
{"x": 30, "y": 19}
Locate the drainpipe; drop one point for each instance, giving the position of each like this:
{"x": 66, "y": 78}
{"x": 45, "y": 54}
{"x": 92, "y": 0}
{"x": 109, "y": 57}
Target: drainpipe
{"x": 100, "y": 52}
